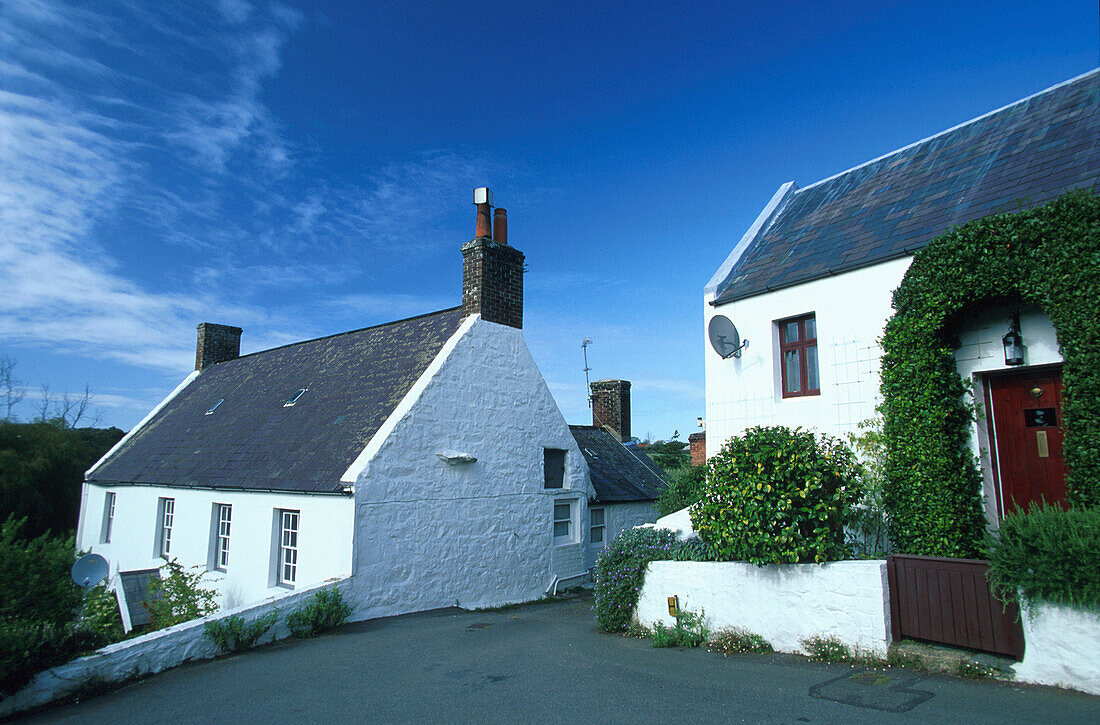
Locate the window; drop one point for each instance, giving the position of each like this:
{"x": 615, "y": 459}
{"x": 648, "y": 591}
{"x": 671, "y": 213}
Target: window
{"x": 224, "y": 517}
{"x": 563, "y": 522}
{"x": 294, "y": 398}
{"x": 798, "y": 356}
{"x": 214, "y": 406}
{"x": 553, "y": 467}
{"x": 595, "y": 526}
{"x": 108, "y": 518}
{"x": 166, "y": 513}
{"x": 287, "y": 562}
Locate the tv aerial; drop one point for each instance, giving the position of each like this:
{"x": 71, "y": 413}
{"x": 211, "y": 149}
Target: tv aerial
{"x": 724, "y": 337}
{"x": 89, "y": 570}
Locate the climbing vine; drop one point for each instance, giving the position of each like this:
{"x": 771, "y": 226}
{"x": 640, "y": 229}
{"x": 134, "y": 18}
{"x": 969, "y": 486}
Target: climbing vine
{"x": 1049, "y": 257}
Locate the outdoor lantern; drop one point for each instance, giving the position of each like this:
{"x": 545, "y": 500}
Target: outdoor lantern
{"x": 1014, "y": 344}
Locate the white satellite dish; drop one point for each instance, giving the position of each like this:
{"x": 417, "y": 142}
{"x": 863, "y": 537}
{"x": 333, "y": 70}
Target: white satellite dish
{"x": 89, "y": 570}
{"x": 724, "y": 337}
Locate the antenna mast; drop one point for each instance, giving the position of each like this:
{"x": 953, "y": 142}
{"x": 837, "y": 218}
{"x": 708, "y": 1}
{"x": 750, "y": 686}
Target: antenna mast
{"x": 587, "y": 384}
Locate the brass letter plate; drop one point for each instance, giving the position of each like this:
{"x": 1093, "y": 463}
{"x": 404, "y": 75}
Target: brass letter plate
{"x": 1041, "y": 439}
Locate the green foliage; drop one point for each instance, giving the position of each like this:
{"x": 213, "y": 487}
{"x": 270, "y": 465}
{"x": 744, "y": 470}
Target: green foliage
{"x": 1050, "y": 554}
{"x": 178, "y": 596}
{"x": 27, "y": 648}
{"x": 324, "y": 610}
{"x": 685, "y": 487}
{"x": 690, "y": 631}
{"x": 825, "y": 649}
{"x": 669, "y": 455}
{"x": 868, "y": 535}
{"x": 34, "y": 577}
{"x": 101, "y": 614}
{"x": 231, "y": 634}
{"x": 776, "y": 495}
{"x": 620, "y": 571}
{"x": 1048, "y": 256}
{"x": 41, "y": 469}
{"x": 692, "y": 550}
{"x": 736, "y": 641}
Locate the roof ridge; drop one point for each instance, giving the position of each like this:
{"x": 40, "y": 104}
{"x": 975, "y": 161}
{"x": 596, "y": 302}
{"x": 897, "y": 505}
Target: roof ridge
{"x": 956, "y": 127}
{"x": 348, "y": 332}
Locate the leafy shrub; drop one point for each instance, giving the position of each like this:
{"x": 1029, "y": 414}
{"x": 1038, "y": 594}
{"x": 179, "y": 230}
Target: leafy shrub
{"x": 692, "y": 550}
{"x": 100, "y": 614}
{"x": 34, "y": 577}
{"x": 27, "y": 648}
{"x": 231, "y": 634}
{"x": 620, "y": 571}
{"x": 690, "y": 631}
{"x": 324, "y": 610}
{"x": 685, "y": 487}
{"x": 178, "y": 596}
{"x": 867, "y": 530}
{"x": 1049, "y": 553}
{"x": 825, "y": 649}
{"x": 776, "y": 495}
{"x": 737, "y": 640}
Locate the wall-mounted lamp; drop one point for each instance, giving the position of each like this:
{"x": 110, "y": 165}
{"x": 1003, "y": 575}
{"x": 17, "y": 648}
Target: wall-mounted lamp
{"x": 1013, "y": 342}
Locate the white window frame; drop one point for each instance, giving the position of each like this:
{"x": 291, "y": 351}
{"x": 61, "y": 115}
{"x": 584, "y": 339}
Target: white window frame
{"x": 108, "y": 518}
{"x": 166, "y": 517}
{"x": 601, "y": 526}
{"x": 570, "y": 537}
{"x": 223, "y": 521}
{"x": 286, "y": 561}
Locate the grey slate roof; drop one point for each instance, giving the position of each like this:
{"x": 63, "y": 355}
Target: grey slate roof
{"x": 354, "y": 380}
{"x": 1031, "y": 152}
{"x": 618, "y": 472}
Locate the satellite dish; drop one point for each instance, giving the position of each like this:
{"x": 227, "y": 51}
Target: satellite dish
{"x": 89, "y": 570}
{"x": 724, "y": 337}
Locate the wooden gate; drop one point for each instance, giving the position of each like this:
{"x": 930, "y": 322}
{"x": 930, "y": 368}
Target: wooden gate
{"x": 949, "y": 601}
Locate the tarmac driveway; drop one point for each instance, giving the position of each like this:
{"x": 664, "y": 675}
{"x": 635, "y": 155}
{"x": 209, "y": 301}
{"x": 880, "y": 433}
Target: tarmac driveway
{"x": 548, "y": 663}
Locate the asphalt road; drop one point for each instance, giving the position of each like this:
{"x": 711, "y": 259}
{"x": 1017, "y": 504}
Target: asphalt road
{"x": 547, "y": 663}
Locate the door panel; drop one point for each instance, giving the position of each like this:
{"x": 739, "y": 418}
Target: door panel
{"x": 1027, "y": 429}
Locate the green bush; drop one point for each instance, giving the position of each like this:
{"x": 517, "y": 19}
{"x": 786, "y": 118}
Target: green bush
{"x": 231, "y": 634}
{"x": 34, "y": 577}
{"x": 324, "y": 610}
{"x": 620, "y": 572}
{"x": 825, "y": 649}
{"x": 1050, "y": 554}
{"x": 685, "y": 487}
{"x": 689, "y": 631}
{"x": 100, "y": 614}
{"x": 178, "y": 596}
{"x": 737, "y": 640}
{"x": 868, "y": 536}
{"x": 27, "y": 648}
{"x": 776, "y": 495}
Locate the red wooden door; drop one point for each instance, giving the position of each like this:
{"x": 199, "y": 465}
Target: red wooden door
{"x": 1027, "y": 429}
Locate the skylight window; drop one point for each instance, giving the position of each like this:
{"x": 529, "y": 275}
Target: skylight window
{"x": 215, "y": 406}
{"x": 294, "y": 398}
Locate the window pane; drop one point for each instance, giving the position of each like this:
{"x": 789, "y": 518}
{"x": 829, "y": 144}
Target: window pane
{"x": 811, "y": 368}
{"x": 553, "y": 468}
{"x": 561, "y": 511}
{"x": 792, "y": 369}
{"x": 596, "y": 516}
{"x": 597, "y": 535}
{"x": 561, "y": 528}
{"x": 811, "y": 328}
{"x": 790, "y": 332}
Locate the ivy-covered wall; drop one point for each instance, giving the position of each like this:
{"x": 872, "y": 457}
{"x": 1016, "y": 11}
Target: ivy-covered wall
{"x": 1048, "y": 256}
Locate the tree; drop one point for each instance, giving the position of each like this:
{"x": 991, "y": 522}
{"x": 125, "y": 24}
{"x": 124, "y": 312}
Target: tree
{"x": 670, "y": 455}
{"x": 12, "y": 391}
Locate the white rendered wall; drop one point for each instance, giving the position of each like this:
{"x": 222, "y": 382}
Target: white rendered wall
{"x": 617, "y": 518}
{"x": 851, "y": 310}
{"x": 324, "y": 535}
{"x": 1061, "y": 646}
{"x": 783, "y": 604}
{"x": 432, "y": 534}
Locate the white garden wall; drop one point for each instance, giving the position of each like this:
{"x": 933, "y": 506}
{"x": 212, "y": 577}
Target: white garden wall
{"x": 150, "y": 653}
{"x": 783, "y": 604}
{"x": 430, "y": 533}
{"x": 1062, "y": 647}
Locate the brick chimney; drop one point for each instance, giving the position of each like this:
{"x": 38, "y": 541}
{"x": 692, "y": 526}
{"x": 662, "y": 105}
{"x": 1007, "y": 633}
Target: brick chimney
{"x": 697, "y": 445}
{"x": 611, "y": 406}
{"x": 217, "y": 343}
{"x": 492, "y": 271}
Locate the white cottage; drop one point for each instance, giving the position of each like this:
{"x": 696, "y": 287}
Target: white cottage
{"x": 424, "y": 458}
{"x": 809, "y": 284}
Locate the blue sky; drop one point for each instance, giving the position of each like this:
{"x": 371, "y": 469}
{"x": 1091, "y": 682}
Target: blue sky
{"x": 300, "y": 169}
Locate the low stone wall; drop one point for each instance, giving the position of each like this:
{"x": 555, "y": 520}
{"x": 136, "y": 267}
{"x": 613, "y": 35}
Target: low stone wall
{"x": 1062, "y": 647}
{"x": 782, "y": 603}
{"x": 149, "y": 653}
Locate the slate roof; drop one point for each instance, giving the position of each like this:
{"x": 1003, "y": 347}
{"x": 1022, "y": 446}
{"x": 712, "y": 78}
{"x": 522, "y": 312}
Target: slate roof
{"x": 354, "y": 380}
{"x": 618, "y": 473}
{"x": 1031, "y": 151}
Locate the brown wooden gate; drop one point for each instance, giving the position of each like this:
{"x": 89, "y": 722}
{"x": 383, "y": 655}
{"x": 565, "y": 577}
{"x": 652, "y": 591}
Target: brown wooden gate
{"x": 949, "y": 601}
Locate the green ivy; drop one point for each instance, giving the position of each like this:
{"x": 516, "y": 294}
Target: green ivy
{"x": 1049, "y": 257}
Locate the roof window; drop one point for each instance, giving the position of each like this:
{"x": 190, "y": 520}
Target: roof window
{"x": 214, "y": 406}
{"x": 294, "y": 398}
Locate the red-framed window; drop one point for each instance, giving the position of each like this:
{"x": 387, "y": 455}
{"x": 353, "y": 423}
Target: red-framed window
{"x": 798, "y": 356}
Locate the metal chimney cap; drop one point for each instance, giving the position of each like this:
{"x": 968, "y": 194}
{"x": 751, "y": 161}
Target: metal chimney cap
{"x": 483, "y": 195}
